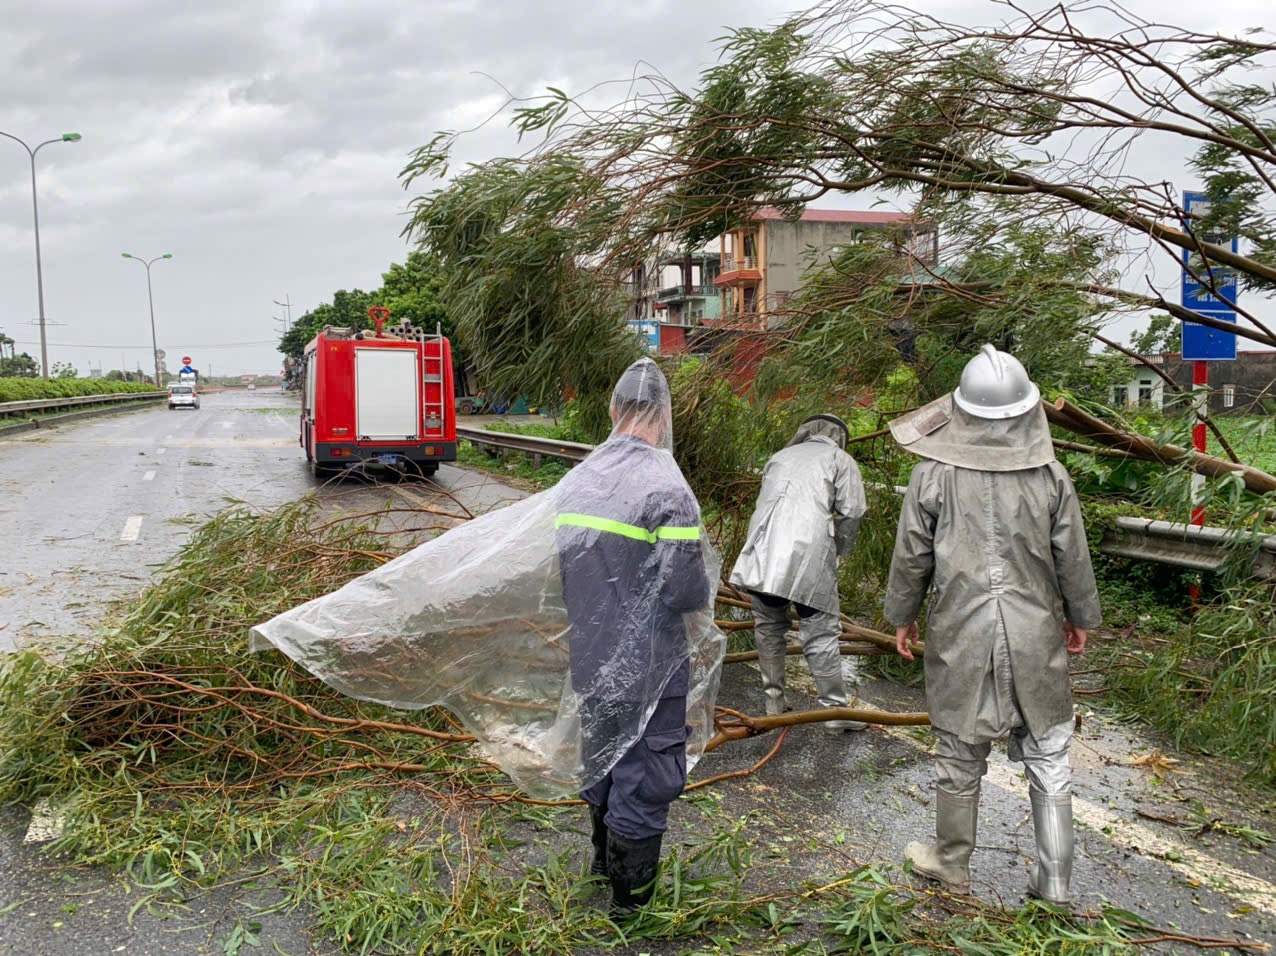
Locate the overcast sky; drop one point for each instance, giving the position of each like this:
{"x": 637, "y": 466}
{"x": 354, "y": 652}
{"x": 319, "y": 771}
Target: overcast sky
{"x": 259, "y": 141}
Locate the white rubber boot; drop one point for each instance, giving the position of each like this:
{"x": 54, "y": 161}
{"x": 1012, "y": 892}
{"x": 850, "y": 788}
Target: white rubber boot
{"x": 772, "y": 669}
{"x": 824, "y": 656}
{"x": 1052, "y": 825}
{"x": 947, "y": 860}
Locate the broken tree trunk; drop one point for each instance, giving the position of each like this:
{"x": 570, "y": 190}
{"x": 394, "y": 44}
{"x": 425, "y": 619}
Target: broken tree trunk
{"x": 846, "y": 649}
{"x": 732, "y": 725}
{"x": 1063, "y": 413}
{"x": 852, "y": 633}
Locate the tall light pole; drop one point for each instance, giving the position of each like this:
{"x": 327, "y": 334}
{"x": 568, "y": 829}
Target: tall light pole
{"x": 35, "y": 213}
{"x": 151, "y": 299}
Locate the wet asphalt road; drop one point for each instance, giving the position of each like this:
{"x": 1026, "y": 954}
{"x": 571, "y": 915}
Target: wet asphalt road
{"x": 93, "y": 507}
{"x": 830, "y": 803}
{"x": 824, "y": 805}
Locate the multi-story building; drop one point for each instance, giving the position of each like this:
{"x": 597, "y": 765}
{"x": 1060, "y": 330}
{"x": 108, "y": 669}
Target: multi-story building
{"x": 678, "y": 288}
{"x": 742, "y": 280}
{"x": 762, "y": 263}
{"x": 674, "y": 292}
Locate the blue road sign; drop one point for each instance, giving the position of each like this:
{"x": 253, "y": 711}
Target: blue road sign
{"x": 1200, "y": 342}
{"x": 1204, "y": 344}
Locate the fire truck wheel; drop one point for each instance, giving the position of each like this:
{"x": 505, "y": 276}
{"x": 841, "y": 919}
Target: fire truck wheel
{"x": 319, "y": 472}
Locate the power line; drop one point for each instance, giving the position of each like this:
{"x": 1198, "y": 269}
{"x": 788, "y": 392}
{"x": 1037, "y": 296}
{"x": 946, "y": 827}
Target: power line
{"x": 147, "y": 347}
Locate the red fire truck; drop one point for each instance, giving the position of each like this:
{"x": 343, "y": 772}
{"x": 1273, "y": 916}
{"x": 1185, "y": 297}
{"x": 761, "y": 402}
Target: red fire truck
{"x": 383, "y": 397}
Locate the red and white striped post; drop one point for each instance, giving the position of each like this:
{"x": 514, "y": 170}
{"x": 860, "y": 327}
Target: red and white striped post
{"x": 1200, "y": 388}
{"x": 1200, "y": 397}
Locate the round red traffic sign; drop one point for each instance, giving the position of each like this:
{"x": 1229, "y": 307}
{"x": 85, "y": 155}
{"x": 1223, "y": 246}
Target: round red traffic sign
{"x": 186, "y": 360}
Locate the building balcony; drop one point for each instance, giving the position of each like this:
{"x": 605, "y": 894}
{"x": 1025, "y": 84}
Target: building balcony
{"x": 742, "y": 270}
{"x": 677, "y": 259}
{"x": 747, "y": 321}
{"x": 678, "y": 293}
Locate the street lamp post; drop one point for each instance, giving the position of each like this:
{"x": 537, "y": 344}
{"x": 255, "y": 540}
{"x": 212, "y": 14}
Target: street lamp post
{"x": 35, "y": 213}
{"x": 151, "y": 299}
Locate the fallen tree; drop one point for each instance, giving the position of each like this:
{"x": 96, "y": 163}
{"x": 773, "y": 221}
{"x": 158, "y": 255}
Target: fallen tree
{"x": 1066, "y": 415}
{"x": 173, "y": 702}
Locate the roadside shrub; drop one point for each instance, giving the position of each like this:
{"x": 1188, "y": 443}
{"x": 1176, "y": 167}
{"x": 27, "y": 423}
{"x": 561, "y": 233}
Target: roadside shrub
{"x": 32, "y": 389}
{"x": 1209, "y": 685}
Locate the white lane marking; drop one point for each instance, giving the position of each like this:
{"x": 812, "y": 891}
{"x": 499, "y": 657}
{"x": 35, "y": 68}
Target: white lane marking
{"x": 132, "y": 528}
{"x": 226, "y": 424}
{"x": 169, "y": 437}
{"x": 45, "y": 823}
{"x": 1192, "y": 863}
{"x": 160, "y": 451}
{"x": 149, "y": 476}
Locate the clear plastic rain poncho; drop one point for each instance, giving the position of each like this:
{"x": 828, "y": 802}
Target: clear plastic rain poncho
{"x": 550, "y": 628}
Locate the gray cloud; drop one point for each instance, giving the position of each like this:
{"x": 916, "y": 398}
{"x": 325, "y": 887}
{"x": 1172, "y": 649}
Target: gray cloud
{"x": 260, "y": 142}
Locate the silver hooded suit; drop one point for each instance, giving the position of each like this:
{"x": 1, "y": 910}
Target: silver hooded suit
{"x": 808, "y": 515}
{"x": 991, "y": 527}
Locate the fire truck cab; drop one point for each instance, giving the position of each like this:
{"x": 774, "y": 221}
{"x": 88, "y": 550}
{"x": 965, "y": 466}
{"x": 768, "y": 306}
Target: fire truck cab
{"x": 383, "y": 398}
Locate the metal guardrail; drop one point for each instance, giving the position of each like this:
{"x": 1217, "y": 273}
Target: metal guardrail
{"x": 53, "y": 404}
{"x": 1187, "y": 546}
{"x": 570, "y": 452}
{"x": 1165, "y": 542}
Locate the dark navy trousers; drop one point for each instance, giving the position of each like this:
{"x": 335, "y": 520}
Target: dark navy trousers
{"x": 639, "y": 789}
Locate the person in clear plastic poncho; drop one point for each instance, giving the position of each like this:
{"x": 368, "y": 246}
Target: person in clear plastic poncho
{"x": 571, "y": 632}
{"x": 992, "y": 528}
{"x": 807, "y": 517}
{"x": 633, "y": 568}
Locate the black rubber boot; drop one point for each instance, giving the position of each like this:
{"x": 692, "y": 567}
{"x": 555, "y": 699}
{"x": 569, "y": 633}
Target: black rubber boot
{"x": 599, "y": 866}
{"x": 631, "y": 867}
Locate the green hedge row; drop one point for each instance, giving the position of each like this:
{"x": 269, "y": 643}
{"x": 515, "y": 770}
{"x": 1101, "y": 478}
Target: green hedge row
{"x": 30, "y": 389}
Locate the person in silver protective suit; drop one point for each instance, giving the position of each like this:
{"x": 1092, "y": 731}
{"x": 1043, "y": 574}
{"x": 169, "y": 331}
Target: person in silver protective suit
{"x": 991, "y": 526}
{"x": 632, "y": 566}
{"x": 807, "y": 517}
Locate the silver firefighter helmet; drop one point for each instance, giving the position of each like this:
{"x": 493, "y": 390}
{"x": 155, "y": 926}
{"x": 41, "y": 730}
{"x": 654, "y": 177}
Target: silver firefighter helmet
{"x": 995, "y": 385}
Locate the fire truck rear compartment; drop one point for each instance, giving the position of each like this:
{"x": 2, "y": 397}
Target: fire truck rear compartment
{"x": 387, "y": 394}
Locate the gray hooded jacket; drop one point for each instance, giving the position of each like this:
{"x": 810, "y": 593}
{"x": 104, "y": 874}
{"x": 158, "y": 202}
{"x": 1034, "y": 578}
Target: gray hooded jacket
{"x": 1006, "y": 553}
{"x": 807, "y": 516}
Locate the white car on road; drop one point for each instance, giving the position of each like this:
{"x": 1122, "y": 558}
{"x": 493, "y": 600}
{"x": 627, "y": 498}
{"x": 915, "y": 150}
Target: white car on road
{"x": 182, "y": 396}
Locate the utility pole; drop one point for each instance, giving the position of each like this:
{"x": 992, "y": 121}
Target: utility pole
{"x": 287, "y": 306}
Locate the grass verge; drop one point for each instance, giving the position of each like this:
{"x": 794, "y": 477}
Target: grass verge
{"x": 513, "y": 465}
{"x": 1208, "y": 683}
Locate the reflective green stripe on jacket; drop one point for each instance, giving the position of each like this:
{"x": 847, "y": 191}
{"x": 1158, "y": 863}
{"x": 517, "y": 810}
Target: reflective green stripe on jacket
{"x": 595, "y": 523}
